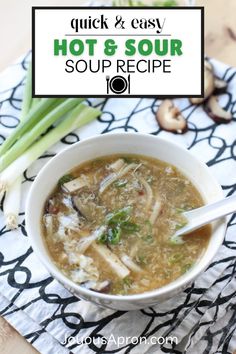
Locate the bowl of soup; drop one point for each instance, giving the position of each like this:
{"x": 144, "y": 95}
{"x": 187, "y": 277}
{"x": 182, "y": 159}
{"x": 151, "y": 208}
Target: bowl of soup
{"x": 101, "y": 215}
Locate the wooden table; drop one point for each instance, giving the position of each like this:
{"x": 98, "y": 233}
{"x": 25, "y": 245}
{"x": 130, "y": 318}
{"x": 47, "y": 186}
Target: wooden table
{"x": 220, "y": 43}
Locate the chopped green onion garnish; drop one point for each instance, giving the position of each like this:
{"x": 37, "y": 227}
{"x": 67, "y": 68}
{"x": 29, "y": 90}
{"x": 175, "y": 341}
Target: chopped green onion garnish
{"x": 175, "y": 258}
{"x": 127, "y": 282}
{"x": 180, "y": 225}
{"x": 148, "y": 239}
{"x": 112, "y": 236}
{"x": 180, "y": 210}
{"x": 120, "y": 183}
{"x": 118, "y": 216}
{"x": 140, "y": 259}
{"x": 65, "y": 179}
{"x": 186, "y": 267}
{"x": 129, "y": 227}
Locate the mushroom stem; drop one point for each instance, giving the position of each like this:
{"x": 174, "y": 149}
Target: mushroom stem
{"x": 170, "y": 118}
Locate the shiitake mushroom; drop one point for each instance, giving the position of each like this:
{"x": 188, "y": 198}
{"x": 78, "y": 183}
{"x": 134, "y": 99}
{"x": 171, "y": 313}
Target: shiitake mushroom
{"x": 216, "y": 112}
{"x": 100, "y": 287}
{"x": 170, "y": 118}
{"x": 209, "y": 84}
{"x": 220, "y": 86}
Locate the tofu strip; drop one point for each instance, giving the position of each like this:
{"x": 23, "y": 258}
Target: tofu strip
{"x": 131, "y": 264}
{"x": 75, "y": 184}
{"x": 112, "y": 260}
{"x": 117, "y": 165}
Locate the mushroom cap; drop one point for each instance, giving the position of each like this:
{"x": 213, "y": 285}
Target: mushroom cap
{"x": 217, "y": 113}
{"x": 220, "y": 85}
{"x": 209, "y": 84}
{"x": 170, "y": 118}
{"x": 208, "y": 65}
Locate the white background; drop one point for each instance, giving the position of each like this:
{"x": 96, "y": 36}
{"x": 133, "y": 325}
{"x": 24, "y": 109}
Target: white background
{"x": 52, "y": 79}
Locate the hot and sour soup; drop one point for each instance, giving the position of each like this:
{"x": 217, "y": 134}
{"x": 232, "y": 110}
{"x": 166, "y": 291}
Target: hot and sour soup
{"x": 108, "y": 224}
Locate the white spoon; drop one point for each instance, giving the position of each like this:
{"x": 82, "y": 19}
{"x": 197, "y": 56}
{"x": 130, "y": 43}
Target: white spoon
{"x": 198, "y": 217}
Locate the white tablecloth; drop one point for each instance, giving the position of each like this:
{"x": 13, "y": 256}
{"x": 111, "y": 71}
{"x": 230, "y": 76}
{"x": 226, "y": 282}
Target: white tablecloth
{"x": 202, "y": 318}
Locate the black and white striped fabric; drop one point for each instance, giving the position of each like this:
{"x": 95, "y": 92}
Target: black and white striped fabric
{"x": 201, "y": 320}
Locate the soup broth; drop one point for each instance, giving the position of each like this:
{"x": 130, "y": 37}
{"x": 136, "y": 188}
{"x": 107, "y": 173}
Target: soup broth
{"x": 108, "y": 224}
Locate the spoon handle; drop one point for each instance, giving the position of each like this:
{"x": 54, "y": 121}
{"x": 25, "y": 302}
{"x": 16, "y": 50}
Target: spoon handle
{"x": 208, "y": 213}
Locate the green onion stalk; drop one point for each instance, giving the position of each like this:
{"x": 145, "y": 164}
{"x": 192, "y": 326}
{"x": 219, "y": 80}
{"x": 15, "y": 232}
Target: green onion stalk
{"x": 74, "y": 119}
{"x": 35, "y": 132}
{"x": 30, "y": 120}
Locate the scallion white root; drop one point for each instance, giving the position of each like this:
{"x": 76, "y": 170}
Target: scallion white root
{"x": 78, "y": 117}
{"x": 12, "y": 205}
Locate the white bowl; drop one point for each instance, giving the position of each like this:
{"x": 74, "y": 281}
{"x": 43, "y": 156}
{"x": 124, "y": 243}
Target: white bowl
{"x": 124, "y": 143}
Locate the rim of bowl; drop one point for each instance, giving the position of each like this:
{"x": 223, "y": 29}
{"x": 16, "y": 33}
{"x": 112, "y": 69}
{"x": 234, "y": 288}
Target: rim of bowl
{"x": 180, "y": 282}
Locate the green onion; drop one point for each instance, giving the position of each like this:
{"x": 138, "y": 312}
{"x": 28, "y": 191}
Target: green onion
{"x": 118, "y": 221}
{"x": 186, "y": 267}
{"x": 130, "y": 160}
{"x": 11, "y": 204}
{"x": 175, "y": 241}
{"x": 180, "y": 210}
{"x": 35, "y": 102}
{"x": 21, "y": 145}
{"x": 27, "y": 95}
{"x": 112, "y": 236}
{"x": 120, "y": 183}
{"x": 103, "y": 238}
{"x": 141, "y": 259}
{"x": 31, "y": 119}
{"x": 148, "y": 239}
{"x": 127, "y": 282}
{"x": 118, "y": 216}
{"x": 129, "y": 227}
{"x": 78, "y": 117}
{"x": 65, "y": 179}
{"x": 180, "y": 225}
{"x": 175, "y": 258}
